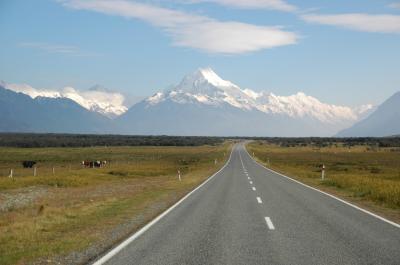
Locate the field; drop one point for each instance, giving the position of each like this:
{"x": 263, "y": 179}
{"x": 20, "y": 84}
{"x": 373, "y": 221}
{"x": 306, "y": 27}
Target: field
{"x": 366, "y": 175}
{"x": 71, "y": 214}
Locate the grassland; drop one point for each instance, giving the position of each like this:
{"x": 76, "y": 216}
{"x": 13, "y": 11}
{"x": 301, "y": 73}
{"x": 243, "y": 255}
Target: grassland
{"x": 366, "y": 175}
{"x": 53, "y": 218}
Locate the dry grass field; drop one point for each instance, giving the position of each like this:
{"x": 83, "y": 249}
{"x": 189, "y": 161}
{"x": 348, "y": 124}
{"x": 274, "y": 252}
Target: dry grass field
{"x": 366, "y": 175}
{"x": 75, "y": 213}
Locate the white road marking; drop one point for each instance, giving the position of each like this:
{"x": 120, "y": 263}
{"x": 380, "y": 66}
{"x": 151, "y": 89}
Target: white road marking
{"x": 327, "y": 194}
{"x": 269, "y": 223}
{"x": 122, "y": 245}
{"x": 254, "y": 188}
{"x": 248, "y": 178}
{"x": 241, "y": 161}
{"x": 259, "y": 200}
{"x": 251, "y": 182}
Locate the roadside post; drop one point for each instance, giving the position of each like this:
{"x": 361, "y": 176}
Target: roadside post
{"x": 54, "y": 171}
{"x": 323, "y": 172}
{"x": 11, "y": 174}
{"x": 179, "y": 175}
{"x": 34, "y": 171}
{"x": 215, "y": 161}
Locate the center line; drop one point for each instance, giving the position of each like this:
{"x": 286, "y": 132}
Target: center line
{"x": 254, "y": 188}
{"x": 259, "y": 200}
{"x": 269, "y": 223}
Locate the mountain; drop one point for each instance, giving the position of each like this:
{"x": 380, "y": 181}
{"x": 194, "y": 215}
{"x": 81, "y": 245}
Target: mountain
{"x": 97, "y": 98}
{"x": 384, "y": 121}
{"x": 21, "y": 113}
{"x": 205, "y": 104}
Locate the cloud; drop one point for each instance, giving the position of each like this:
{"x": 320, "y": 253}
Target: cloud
{"x": 253, "y": 4}
{"x": 194, "y": 31}
{"x": 361, "y": 22}
{"x": 395, "y": 5}
{"x": 96, "y": 99}
{"x": 56, "y": 48}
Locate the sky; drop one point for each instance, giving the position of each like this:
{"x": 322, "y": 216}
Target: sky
{"x": 344, "y": 52}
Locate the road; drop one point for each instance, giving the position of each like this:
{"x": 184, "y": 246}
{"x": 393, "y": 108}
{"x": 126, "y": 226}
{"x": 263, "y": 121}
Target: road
{"x": 246, "y": 214}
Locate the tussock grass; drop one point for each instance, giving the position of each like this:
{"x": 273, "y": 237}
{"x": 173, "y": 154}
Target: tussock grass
{"x": 365, "y": 173}
{"x": 82, "y": 206}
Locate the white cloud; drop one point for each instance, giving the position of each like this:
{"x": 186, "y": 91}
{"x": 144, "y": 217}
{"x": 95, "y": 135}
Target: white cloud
{"x": 395, "y": 5}
{"x": 56, "y": 48}
{"x": 252, "y": 4}
{"x": 105, "y": 102}
{"x": 361, "y": 22}
{"x": 194, "y": 31}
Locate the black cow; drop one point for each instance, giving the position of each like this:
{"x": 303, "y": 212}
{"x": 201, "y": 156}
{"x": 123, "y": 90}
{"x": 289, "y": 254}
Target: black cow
{"x": 28, "y": 164}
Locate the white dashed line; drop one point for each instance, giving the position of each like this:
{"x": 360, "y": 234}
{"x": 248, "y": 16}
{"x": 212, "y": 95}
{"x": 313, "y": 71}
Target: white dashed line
{"x": 248, "y": 178}
{"x": 259, "y": 200}
{"x": 251, "y": 182}
{"x": 269, "y": 223}
{"x": 254, "y": 188}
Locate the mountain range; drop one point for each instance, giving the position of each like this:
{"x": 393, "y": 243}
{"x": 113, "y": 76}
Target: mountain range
{"x": 201, "y": 104}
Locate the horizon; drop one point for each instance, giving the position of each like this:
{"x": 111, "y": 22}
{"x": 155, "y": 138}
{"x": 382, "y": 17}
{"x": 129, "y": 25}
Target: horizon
{"x": 62, "y": 49}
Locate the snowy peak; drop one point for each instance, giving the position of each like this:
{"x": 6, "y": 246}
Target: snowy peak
{"x": 97, "y": 98}
{"x": 204, "y": 81}
{"x": 204, "y": 86}
{"x": 211, "y": 77}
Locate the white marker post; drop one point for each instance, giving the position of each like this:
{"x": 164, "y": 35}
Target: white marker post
{"x": 323, "y": 172}
{"x": 215, "y": 161}
{"x": 11, "y": 173}
{"x": 179, "y": 175}
{"x": 34, "y": 171}
{"x": 54, "y": 171}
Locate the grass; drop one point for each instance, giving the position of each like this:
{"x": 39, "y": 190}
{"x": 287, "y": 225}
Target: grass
{"x": 80, "y": 206}
{"x": 366, "y": 174}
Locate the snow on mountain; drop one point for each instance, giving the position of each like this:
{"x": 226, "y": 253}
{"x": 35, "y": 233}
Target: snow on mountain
{"x": 97, "y": 99}
{"x": 205, "y": 87}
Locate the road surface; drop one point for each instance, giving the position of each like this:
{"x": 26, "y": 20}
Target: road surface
{"x": 247, "y": 214}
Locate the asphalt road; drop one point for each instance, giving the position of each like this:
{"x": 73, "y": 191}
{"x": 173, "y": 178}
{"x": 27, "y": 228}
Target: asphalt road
{"x": 247, "y": 214}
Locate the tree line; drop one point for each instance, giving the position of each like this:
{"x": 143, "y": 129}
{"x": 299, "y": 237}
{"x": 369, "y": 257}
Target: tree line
{"x": 29, "y": 140}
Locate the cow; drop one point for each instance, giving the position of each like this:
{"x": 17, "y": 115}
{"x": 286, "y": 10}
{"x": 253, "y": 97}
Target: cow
{"x": 28, "y": 164}
{"x": 93, "y": 164}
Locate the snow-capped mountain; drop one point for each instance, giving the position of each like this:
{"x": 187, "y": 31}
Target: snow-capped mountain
{"x": 205, "y": 92}
{"x": 22, "y": 113}
{"x": 201, "y": 104}
{"x": 206, "y": 87}
{"x": 97, "y": 98}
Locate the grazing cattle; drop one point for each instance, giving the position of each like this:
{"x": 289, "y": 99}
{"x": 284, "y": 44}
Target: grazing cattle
{"x": 28, "y": 164}
{"x": 94, "y": 164}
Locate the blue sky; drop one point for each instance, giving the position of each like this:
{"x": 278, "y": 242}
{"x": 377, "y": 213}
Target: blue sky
{"x": 343, "y": 52}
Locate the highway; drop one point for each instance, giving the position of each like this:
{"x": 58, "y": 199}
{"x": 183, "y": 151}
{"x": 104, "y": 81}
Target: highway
{"x": 247, "y": 214}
